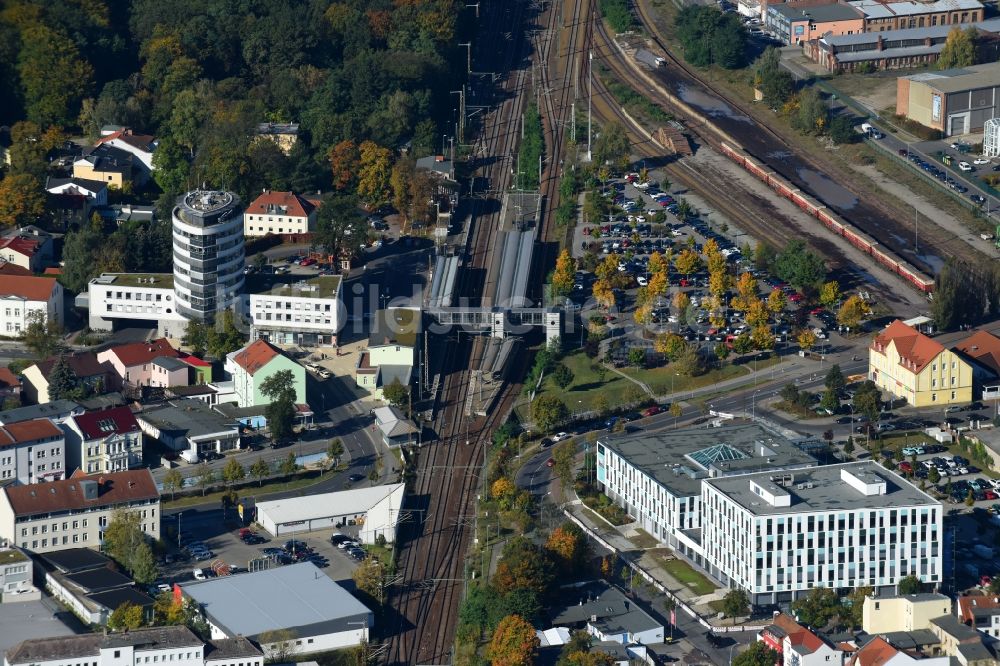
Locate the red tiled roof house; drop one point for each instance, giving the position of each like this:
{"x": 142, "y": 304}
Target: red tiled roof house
{"x": 910, "y": 365}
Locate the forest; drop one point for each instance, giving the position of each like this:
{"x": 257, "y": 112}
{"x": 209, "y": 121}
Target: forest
{"x": 199, "y": 75}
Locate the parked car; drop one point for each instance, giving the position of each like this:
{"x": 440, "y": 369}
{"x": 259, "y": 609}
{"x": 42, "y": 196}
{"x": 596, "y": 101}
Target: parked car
{"x": 199, "y": 574}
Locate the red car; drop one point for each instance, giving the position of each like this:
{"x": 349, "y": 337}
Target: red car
{"x": 684, "y": 282}
{"x": 551, "y": 462}
{"x": 586, "y": 231}
{"x": 905, "y": 467}
{"x": 650, "y": 411}
{"x": 816, "y": 311}
{"x": 795, "y": 298}
{"x": 990, "y": 494}
{"x": 308, "y": 261}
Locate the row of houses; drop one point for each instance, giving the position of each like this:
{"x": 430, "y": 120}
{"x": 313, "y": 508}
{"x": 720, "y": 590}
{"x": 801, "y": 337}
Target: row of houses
{"x": 895, "y": 629}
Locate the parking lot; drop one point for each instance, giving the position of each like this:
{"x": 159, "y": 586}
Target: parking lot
{"x": 226, "y": 546}
{"x": 644, "y": 220}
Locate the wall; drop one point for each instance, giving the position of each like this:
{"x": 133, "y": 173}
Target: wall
{"x": 277, "y": 364}
{"x": 83, "y": 169}
{"x": 324, "y": 642}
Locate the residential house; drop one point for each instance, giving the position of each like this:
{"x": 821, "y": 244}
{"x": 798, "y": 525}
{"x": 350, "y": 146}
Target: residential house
{"x": 902, "y": 612}
{"x": 910, "y": 365}
{"x": 134, "y": 362}
{"x": 279, "y": 213}
{"x": 880, "y": 652}
{"x": 90, "y": 373}
{"x": 20, "y": 296}
{"x": 10, "y": 386}
{"x": 56, "y": 411}
{"x": 74, "y": 512}
{"x": 284, "y": 135}
{"x": 28, "y": 247}
{"x": 957, "y": 639}
{"x": 307, "y": 313}
{"x": 16, "y": 570}
{"x": 94, "y": 192}
{"x": 252, "y": 365}
{"x": 90, "y": 584}
{"x": 982, "y": 350}
{"x": 108, "y": 440}
{"x": 142, "y": 146}
{"x": 32, "y": 452}
{"x": 109, "y": 165}
{"x": 797, "y": 645}
{"x": 607, "y": 614}
{"x": 396, "y": 429}
{"x": 190, "y": 427}
{"x": 392, "y": 350}
{"x": 981, "y": 612}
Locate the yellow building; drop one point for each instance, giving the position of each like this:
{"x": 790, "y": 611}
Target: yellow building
{"x": 908, "y": 364}
{"x": 903, "y": 612}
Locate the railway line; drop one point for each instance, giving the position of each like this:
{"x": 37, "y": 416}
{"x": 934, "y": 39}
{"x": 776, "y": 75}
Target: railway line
{"x": 754, "y": 214}
{"x": 869, "y": 214}
{"x": 431, "y": 552}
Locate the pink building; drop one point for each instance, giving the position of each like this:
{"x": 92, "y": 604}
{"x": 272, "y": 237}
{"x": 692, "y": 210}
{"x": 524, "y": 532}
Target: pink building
{"x": 135, "y": 365}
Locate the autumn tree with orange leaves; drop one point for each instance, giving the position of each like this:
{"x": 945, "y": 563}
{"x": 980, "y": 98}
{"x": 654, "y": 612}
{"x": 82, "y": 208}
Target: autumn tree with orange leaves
{"x": 513, "y": 644}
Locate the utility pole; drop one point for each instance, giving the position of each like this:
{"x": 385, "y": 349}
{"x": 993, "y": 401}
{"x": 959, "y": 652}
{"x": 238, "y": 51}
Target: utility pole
{"x": 590, "y": 101}
{"x": 572, "y": 120}
{"x": 461, "y": 113}
{"x": 468, "y": 59}
{"x": 916, "y": 245}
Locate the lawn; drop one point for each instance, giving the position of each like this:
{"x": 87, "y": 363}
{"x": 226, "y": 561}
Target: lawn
{"x": 686, "y": 575}
{"x": 664, "y": 380}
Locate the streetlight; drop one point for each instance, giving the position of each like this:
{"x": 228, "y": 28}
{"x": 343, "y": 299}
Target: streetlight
{"x": 753, "y": 404}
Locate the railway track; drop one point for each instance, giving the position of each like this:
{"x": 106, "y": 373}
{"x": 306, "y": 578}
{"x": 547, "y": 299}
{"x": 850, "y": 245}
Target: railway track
{"x": 867, "y": 212}
{"x": 431, "y": 557}
{"x": 753, "y": 213}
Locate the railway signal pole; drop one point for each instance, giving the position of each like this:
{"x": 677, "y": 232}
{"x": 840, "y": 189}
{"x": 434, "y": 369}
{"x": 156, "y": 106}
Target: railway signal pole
{"x": 590, "y": 101}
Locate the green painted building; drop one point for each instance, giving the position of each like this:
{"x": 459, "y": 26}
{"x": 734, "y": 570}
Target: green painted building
{"x": 251, "y": 366}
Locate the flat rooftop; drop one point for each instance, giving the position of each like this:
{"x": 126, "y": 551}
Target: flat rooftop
{"x": 823, "y": 489}
{"x": 289, "y": 597}
{"x": 817, "y": 13}
{"x": 324, "y": 286}
{"x": 12, "y": 555}
{"x": 157, "y": 280}
{"x": 192, "y": 417}
{"x": 680, "y": 459}
{"x": 960, "y": 79}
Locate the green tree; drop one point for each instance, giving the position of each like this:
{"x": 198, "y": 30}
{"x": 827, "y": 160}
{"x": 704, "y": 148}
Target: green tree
{"x": 225, "y": 337}
{"x": 817, "y": 608}
{"x": 564, "y": 456}
{"x": 171, "y": 166}
{"x": 934, "y": 476}
{"x": 758, "y": 654}
{"x": 260, "y": 470}
{"x": 196, "y": 336}
{"x": 959, "y": 49}
{"x": 812, "y": 116}
{"x": 960, "y": 297}
{"x": 849, "y": 446}
{"x": 79, "y": 258}
{"x": 288, "y": 465}
{"x": 341, "y": 229}
{"x": 637, "y": 356}
{"x": 54, "y": 76}
{"x": 233, "y": 472}
{"x": 126, "y": 616}
{"x": 279, "y": 388}
{"x": 125, "y": 542}
{"x": 523, "y": 565}
{"x": 173, "y": 481}
{"x": 63, "y": 382}
{"x": 612, "y": 146}
{"x": 910, "y": 585}
{"x": 562, "y": 376}
{"x": 799, "y": 266}
{"x": 396, "y": 394}
{"x": 830, "y": 401}
{"x": 42, "y": 334}
{"x": 834, "y": 380}
{"x": 205, "y": 478}
{"x": 22, "y": 200}
{"x": 774, "y": 81}
{"x": 334, "y": 450}
{"x": 547, "y": 411}
{"x": 842, "y": 130}
{"x": 855, "y": 604}
{"x": 736, "y": 603}
{"x": 374, "y": 170}
{"x": 868, "y": 400}
{"x": 369, "y": 578}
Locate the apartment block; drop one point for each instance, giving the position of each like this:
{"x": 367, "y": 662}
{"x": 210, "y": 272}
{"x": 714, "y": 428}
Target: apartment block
{"x": 31, "y": 452}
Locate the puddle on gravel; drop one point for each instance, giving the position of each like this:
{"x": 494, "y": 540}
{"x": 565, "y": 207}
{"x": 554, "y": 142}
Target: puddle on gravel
{"x": 827, "y": 190}
{"x": 935, "y": 262}
{"x": 779, "y": 155}
{"x": 711, "y": 105}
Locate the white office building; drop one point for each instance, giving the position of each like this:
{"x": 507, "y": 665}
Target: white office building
{"x": 755, "y": 511}
{"x": 307, "y": 313}
{"x": 777, "y": 535}
{"x": 148, "y": 645}
{"x": 208, "y": 253}
{"x": 134, "y": 297}
{"x": 657, "y": 479}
